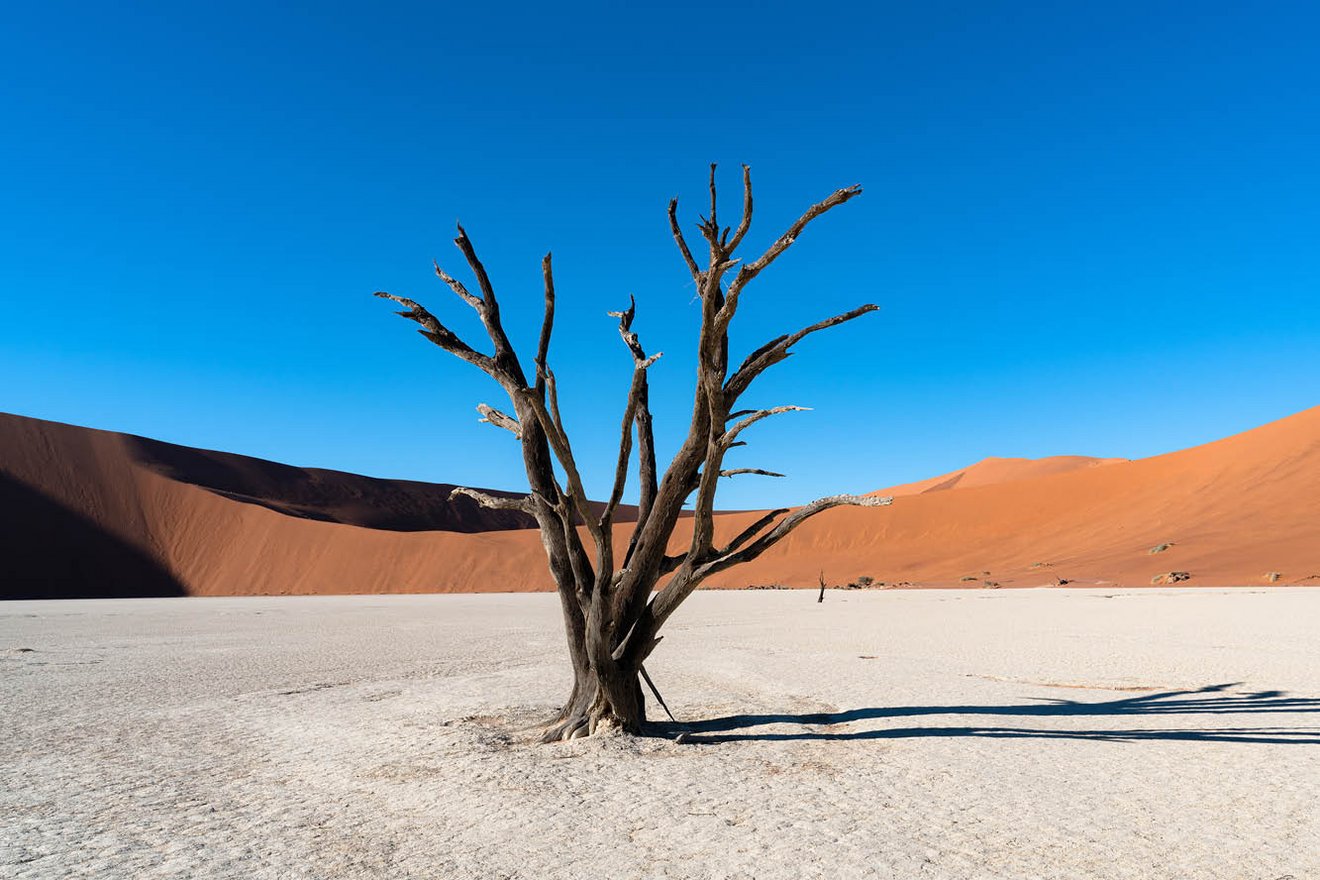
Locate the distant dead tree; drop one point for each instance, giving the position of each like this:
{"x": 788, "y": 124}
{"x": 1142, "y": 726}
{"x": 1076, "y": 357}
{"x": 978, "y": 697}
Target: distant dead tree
{"x": 613, "y": 613}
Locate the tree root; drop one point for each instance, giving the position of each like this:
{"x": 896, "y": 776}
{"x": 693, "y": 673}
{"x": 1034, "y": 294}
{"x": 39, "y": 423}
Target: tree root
{"x": 596, "y": 718}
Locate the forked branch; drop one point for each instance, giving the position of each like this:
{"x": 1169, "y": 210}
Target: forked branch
{"x": 777, "y": 350}
{"x": 785, "y": 241}
{"x": 786, "y": 526}
{"x": 636, "y": 411}
{"x": 668, "y": 600}
{"x": 441, "y": 335}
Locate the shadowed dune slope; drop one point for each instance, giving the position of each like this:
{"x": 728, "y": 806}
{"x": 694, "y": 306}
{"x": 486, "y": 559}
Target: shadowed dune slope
{"x": 48, "y": 551}
{"x": 215, "y": 523}
{"x": 219, "y": 524}
{"x": 329, "y": 496}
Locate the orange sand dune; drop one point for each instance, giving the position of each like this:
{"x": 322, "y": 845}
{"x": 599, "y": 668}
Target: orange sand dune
{"x": 999, "y": 470}
{"x": 89, "y": 513}
{"x": 86, "y": 512}
{"x": 1233, "y": 511}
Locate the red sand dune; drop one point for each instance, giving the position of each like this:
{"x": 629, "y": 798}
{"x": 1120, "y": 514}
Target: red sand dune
{"x": 86, "y": 512}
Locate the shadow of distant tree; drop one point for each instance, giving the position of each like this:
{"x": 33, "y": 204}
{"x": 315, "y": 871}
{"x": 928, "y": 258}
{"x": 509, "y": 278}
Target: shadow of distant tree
{"x": 1210, "y": 700}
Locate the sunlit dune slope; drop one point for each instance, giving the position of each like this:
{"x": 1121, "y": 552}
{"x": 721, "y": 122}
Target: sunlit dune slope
{"x": 999, "y": 470}
{"x": 1233, "y": 511}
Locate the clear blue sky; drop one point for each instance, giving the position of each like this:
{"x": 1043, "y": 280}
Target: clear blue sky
{"x": 1092, "y": 228}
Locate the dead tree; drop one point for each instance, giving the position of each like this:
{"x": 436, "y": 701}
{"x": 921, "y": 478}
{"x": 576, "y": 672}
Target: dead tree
{"x": 615, "y": 600}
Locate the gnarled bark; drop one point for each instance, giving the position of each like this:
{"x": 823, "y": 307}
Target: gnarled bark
{"x": 613, "y": 610}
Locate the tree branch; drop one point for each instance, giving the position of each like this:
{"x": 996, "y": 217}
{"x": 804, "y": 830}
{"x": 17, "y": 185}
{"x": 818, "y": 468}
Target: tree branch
{"x": 638, "y": 412}
{"x": 489, "y": 310}
{"x": 458, "y": 288}
{"x": 751, "y": 531}
{"x": 785, "y": 241}
{"x": 757, "y": 471}
{"x": 746, "y": 222}
{"x": 710, "y": 227}
{"x": 491, "y": 415}
{"x": 552, "y": 399}
{"x": 441, "y": 335}
{"x": 636, "y": 398}
{"x": 522, "y": 502}
{"x": 646, "y": 469}
{"x": 714, "y": 223}
{"x": 670, "y": 563}
{"x": 483, "y": 280}
{"x": 681, "y": 241}
{"x": 668, "y": 599}
{"x": 748, "y": 271}
{"x": 786, "y": 526}
{"x": 564, "y": 453}
{"x": 777, "y": 350}
{"x": 547, "y": 326}
{"x": 732, "y": 433}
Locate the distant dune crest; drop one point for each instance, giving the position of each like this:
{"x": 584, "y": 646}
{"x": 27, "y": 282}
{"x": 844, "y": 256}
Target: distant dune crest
{"x": 96, "y": 513}
{"x": 999, "y": 470}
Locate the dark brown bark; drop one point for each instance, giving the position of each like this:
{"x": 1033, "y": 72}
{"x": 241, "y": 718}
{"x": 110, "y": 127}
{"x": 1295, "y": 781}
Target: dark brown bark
{"x": 614, "y": 610}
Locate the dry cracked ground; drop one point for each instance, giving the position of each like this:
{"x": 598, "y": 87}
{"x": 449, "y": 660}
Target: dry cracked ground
{"x": 943, "y": 734}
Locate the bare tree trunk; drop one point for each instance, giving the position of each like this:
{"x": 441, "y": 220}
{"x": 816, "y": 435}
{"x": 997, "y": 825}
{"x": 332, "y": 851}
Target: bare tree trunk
{"x": 613, "y": 613}
{"x": 601, "y": 701}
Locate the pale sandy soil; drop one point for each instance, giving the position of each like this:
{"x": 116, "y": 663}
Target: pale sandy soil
{"x": 1022, "y": 734}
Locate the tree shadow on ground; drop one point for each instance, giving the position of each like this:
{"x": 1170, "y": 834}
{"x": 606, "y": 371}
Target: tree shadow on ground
{"x": 1210, "y": 700}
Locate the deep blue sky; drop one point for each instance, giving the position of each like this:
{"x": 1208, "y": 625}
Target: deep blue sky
{"x": 1092, "y": 228}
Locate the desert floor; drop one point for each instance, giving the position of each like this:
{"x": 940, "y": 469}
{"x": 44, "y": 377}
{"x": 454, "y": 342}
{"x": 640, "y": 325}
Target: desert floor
{"x": 1033, "y": 733}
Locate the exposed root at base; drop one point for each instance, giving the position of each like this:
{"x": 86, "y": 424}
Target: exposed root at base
{"x": 579, "y": 726}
